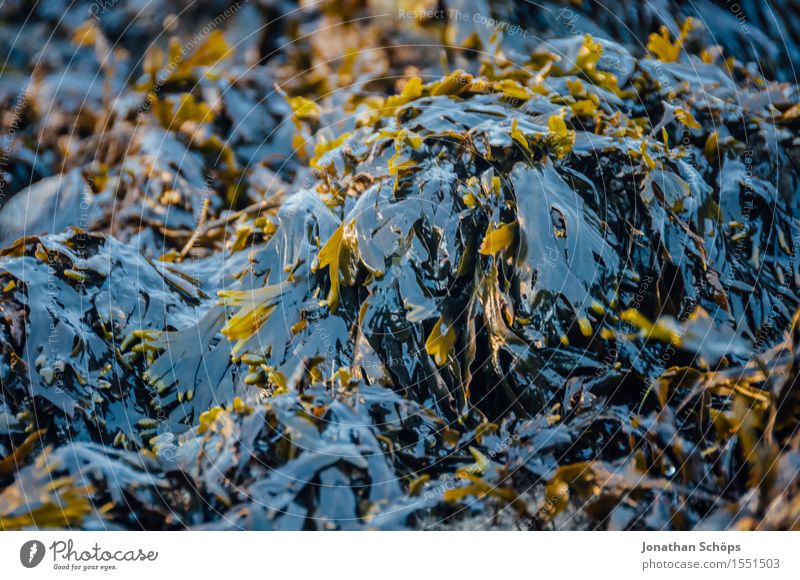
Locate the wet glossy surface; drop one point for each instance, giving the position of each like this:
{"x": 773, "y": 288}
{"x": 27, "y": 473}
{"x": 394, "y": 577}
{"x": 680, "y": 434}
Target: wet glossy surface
{"x": 536, "y": 284}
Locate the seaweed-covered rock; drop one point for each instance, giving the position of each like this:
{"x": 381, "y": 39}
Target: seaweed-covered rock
{"x": 534, "y": 284}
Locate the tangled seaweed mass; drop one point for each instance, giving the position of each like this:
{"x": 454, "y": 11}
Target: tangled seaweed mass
{"x": 355, "y": 264}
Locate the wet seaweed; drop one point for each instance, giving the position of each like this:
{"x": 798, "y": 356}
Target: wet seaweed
{"x": 316, "y": 284}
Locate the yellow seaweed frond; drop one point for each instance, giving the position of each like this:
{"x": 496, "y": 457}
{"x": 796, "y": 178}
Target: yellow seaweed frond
{"x": 660, "y": 45}
{"x": 256, "y": 306}
{"x": 440, "y": 342}
{"x": 339, "y": 256}
{"x": 498, "y": 239}
{"x": 562, "y": 138}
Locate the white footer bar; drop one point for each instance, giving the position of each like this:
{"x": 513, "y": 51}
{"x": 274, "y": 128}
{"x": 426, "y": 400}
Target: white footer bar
{"x": 398, "y": 555}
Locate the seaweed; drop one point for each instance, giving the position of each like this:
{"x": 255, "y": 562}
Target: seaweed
{"x": 410, "y": 273}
